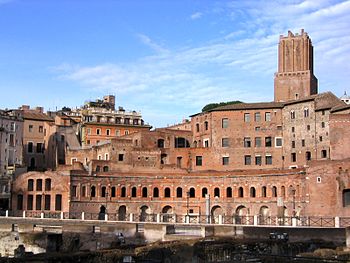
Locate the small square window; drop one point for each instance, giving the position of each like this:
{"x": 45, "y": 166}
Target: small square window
{"x": 225, "y": 160}
{"x": 247, "y": 160}
{"x": 224, "y": 123}
{"x": 225, "y": 142}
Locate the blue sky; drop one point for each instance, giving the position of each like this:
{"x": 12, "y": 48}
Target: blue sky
{"x": 164, "y": 58}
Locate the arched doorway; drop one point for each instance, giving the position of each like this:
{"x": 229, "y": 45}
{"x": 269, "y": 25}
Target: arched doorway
{"x": 144, "y": 212}
{"x": 215, "y": 212}
{"x": 102, "y": 213}
{"x": 122, "y": 213}
{"x": 264, "y": 215}
{"x": 240, "y": 216}
{"x": 167, "y": 212}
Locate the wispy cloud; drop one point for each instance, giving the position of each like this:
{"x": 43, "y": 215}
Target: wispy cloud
{"x": 231, "y": 66}
{"x": 196, "y": 15}
{"x": 150, "y": 43}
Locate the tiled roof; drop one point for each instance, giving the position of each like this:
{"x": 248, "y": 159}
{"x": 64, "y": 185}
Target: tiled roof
{"x": 250, "y": 106}
{"x": 36, "y": 116}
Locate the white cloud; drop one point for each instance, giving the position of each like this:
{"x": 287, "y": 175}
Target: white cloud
{"x": 196, "y": 15}
{"x": 182, "y": 81}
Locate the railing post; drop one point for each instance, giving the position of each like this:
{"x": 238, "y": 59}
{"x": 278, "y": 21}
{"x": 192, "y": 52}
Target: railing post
{"x": 106, "y": 217}
{"x": 131, "y": 219}
{"x": 158, "y": 218}
{"x": 187, "y": 219}
{"x": 294, "y": 221}
{"x": 255, "y": 220}
{"x": 7, "y": 213}
{"x": 220, "y": 219}
{"x": 337, "y": 222}
{"x": 62, "y": 215}
{"x": 83, "y": 216}
{"x": 42, "y": 215}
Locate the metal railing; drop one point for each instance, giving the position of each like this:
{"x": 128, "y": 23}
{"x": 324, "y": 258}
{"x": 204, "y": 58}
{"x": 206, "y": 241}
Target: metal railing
{"x": 256, "y": 220}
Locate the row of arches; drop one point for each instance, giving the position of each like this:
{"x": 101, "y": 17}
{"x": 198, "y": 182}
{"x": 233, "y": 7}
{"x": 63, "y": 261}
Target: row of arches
{"x": 192, "y": 192}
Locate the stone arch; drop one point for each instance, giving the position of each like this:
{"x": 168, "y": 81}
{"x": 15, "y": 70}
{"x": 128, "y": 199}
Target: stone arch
{"x": 240, "y": 215}
{"x": 144, "y": 212}
{"x": 167, "y": 213}
{"x": 122, "y": 213}
{"x": 215, "y": 212}
{"x": 263, "y": 215}
{"x": 102, "y": 213}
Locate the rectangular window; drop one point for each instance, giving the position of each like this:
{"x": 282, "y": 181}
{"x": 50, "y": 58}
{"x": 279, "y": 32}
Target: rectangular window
{"x": 247, "y": 142}
{"x": 197, "y": 127}
{"x": 47, "y": 205}
{"x": 39, "y": 147}
{"x": 293, "y": 129}
{"x": 225, "y": 142}
{"x": 30, "y": 184}
{"x": 120, "y": 157}
{"x": 39, "y": 184}
{"x": 225, "y": 160}
{"x": 293, "y": 144}
{"x": 19, "y": 202}
{"x": 206, "y": 126}
{"x": 199, "y": 161}
{"x": 279, "y": 127}
{"x": 258, "y": 160}
{"x": 135, "y": 122}
{"x": 268, "y": 142}
{"x": 30, "y": 202}
{"x": 30, "y": 147}
{"x": 293, "y": 157}
{"x": 267, "y": 116}
{"x": 323, "y": 124}
{"x": 206, "y": 143}
{"x": 324, "y": 154}
{"x": 257, "y": 128}
{"x": 41, "y": 129}
{"x": 38, "y": 201}
{"x": 58, "y": 203}
{"x": 117, "y": 133}
{"x": 303, "y": 143}
{"x": 246, "y": 117}
{"x": 30, "y": 128}
{"x": 224, "y": 123}
{"x": 126, "y": 132}
{"x": 257, "y": 117}
{"x": 108, "y": 132}
{"x": 98, "y": 131}
{"x": 320, "y": 138}
{"x": 268, "y": 159}
{"x": 126, "y": 121}
{"x": 257, "y": 141}
{"x": 88, "y": 130}
{"x": 278, "y": 142}
{"x": 247, "y": 160}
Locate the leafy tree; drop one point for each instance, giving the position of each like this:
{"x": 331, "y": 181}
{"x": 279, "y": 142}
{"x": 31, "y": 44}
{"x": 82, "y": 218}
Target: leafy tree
{"x": 211, "y": 106}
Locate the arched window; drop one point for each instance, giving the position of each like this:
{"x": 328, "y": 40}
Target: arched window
{"x": 217, "y": 192}
{"x": 263, "y": 191}
{"x": 93, "y": 191}
{"x": 195, "y": 144}
{"x": 206, "y": 126}
{"x": 98, "y": 168}
{"x": 274, "y": 191}
{"x": 192, "y": 192}
{"x": 283, "y": 191}
{"x": 133, "y": 191}
{"x": 155, "y": 192}
{"x": 123, "y": 192}
{"x": 144, "y": 192}
{"x": 105, "y": 168}
{"x": 113, "y": 191}
{"x": 306, "y": 112}
{"x": 229, "y": 192}
{"x": 160, "y": 143}
{"x": 252, "y": 192}
{"x": 167, "y": 192}
{"x": 179, "y": 192}
{"x": 292, "y": 114}
{"x": 103, "y": 191}
{"x": 204, "y": 192}
{"x": 240, "y": 192}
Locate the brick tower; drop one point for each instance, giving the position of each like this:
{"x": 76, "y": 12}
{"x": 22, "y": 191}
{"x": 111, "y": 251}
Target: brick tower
{"x": 295, "y": 77}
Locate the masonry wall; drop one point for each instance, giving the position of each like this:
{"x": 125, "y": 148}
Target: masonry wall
{"x": 339, "y": 136}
